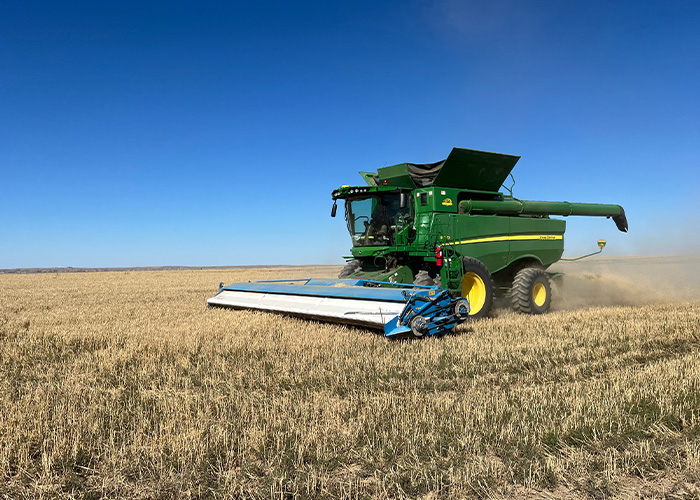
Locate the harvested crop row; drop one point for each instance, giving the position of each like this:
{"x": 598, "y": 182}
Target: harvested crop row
{"x": 124, "y": 384}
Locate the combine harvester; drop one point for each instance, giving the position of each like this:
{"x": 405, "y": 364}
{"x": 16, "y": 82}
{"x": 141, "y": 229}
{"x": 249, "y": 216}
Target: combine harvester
{"x": 433, "y": 244}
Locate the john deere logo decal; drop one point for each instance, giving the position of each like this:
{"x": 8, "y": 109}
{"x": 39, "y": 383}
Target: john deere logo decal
{"x": 447, "y": 202}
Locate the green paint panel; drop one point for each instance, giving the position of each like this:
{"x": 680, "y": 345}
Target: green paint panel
{"x": 458, "y": 228}
{"x": 369, "y": 178}
{"x": 359, "y": 252}
{"x": 396, "y": 176}
{"x": 545, "y": 250}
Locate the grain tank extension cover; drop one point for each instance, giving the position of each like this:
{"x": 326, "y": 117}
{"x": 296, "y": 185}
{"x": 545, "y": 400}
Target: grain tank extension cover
{"x": 471, "y": 169}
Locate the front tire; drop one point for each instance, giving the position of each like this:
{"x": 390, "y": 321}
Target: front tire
{"x": 350, "y": 268}
{"x": 477, "y": 287}
{"x": 423, "y": 278}
{"x": 531, "y": 292}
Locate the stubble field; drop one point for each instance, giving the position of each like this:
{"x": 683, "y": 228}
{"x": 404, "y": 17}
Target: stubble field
{"x": 122, "y": 384}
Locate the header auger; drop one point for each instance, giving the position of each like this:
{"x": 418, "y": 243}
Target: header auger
{"x": 444, "y": 226}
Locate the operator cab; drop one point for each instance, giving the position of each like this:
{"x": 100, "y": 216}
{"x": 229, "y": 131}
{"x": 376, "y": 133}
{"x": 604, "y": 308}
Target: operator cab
{"x": 373, "y": 217}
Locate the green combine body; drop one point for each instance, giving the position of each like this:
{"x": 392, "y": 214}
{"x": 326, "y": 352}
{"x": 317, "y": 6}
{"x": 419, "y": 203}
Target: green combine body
{"x": 447, "y": 224}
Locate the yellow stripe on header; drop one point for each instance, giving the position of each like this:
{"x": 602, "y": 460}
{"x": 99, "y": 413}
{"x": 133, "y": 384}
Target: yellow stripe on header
{"x": 516, "y": 237}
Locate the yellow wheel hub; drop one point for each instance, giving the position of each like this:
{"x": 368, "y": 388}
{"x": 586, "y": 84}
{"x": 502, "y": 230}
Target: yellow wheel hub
{"x": 539, "y": 294}
{"x": 474, "y": 290}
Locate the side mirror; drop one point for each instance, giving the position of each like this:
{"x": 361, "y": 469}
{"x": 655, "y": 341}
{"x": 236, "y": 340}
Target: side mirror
{"x": 403, "y": 200}
{"x": 334, "y": 209}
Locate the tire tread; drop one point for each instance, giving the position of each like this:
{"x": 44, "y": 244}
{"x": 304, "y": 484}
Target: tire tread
{"x": 351, "y": 267}
{"x": 522, "y": 289}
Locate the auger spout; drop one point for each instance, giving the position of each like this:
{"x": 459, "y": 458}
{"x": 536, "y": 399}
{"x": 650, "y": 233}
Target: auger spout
{"x": 562, "y": 208}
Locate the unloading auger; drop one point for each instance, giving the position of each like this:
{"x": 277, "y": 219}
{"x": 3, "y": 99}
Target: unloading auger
{"x": 400, "y": 309}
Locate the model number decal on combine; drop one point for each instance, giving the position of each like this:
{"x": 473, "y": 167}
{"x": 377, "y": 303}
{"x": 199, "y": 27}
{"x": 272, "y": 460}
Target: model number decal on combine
{"x": 516, "y": 237}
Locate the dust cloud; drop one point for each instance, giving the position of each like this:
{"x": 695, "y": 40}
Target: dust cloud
{"x": 627, "y": 280}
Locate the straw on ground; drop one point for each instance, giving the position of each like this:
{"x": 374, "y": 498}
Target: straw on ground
{"x": 123, "y": 384}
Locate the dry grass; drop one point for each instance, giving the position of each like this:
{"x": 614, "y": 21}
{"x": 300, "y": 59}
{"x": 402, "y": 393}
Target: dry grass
{"x": 124, "y": 385}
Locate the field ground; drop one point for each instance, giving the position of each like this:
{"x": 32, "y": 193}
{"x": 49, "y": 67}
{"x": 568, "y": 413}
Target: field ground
{"x": 122, "y": 384}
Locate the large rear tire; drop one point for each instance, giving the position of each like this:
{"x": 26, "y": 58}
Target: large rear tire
{"x": 477, "y": 287}
{"x": 531, "y": 292}
{"x": 351, "y": 267}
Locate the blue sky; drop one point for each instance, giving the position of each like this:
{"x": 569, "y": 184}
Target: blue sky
{"x": 212, "y": 133}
